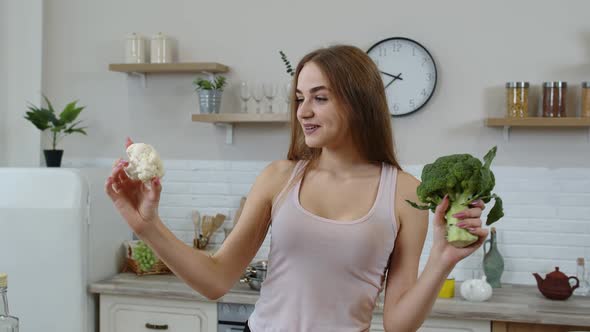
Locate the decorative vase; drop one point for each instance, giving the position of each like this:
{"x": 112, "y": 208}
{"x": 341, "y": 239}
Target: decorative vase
{"x": 53, "y": 157}
{"x": 210, "y": 101}
{"x": 493, "y": 263}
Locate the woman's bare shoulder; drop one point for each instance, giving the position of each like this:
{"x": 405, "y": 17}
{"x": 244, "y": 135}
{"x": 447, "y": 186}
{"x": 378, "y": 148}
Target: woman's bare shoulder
{"x": 281, "y": 168}
{"x": 276, "y": 174}
{"x": 407, "y": 183}
{"x": 406, "y": 190}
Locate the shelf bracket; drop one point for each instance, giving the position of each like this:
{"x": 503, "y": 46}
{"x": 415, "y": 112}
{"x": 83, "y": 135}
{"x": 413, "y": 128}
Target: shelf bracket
{"x": 229, "y": 131}
{"x": 506, "y": 133}
{"x": 142, "y": 76}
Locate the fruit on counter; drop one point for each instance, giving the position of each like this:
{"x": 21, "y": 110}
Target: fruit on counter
{"x": 464, "y": 179}
{"x": 144, "y": 256}
{"x": 144, "y": 162}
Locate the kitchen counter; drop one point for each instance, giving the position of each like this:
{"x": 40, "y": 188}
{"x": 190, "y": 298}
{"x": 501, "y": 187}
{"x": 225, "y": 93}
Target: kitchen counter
{"x": 513, "y": 303}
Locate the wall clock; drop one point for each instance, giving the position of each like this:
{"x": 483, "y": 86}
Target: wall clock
{"x": 408, "y": 71}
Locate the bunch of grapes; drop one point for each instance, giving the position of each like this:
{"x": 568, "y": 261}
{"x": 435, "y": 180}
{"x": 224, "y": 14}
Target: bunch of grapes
{"x": 144, "y": 256}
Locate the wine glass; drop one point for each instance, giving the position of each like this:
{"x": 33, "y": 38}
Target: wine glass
{"x": 286, "y": 93}
{"x": 244, "y": 95}
{"x": 257, "y": 94}
{"x": 270, "y": 92}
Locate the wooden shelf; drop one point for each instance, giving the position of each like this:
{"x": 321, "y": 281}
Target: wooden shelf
{"x": 228, "y": 120}
{"x": 241, "y": 117}
{"x": 538, "y": 122}
{"x": 186, "y": 67}
{"x": 143, "y": 69}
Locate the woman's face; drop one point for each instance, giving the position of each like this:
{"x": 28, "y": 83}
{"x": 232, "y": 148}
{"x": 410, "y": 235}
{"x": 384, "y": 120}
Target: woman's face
{"x": 319, "y": 113}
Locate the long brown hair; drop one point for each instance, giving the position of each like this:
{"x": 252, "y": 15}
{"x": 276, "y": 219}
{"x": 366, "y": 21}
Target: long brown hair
{"x": 357, "y": 85}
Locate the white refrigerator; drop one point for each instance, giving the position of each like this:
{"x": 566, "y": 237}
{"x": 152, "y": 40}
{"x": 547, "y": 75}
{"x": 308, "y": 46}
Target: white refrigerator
{"x": 59, "y": 232}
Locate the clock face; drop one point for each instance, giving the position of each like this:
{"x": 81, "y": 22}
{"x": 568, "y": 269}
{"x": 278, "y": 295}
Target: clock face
{"x": 408, "y": 72}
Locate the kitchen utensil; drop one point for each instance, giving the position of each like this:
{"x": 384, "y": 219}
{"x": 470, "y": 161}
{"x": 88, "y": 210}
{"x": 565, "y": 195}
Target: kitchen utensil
{"x": 208, "y": 226}
{"x": 476, "y": 290}
{"x": 255, "y": 274}
{"x": 556, "y": 285}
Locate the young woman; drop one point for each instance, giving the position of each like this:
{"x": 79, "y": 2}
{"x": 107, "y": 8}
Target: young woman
{"x": 341, "y": 229}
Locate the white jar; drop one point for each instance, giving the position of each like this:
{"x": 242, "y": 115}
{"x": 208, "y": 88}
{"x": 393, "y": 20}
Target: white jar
{"x": 135, "y": 48}
{"x": 161, "y": 49}
{"x": 476, "y": 290}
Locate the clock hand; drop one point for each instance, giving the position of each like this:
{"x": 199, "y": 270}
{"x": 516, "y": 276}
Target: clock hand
{"x": 398, "y": 77}
{"x": 394, "y": 78}
{"x": 388, "y": 84}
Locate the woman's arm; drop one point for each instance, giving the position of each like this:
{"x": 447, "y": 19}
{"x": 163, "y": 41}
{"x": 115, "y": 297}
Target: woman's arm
{"x": 408, "y": 299}
{"x": 211, "y": 276}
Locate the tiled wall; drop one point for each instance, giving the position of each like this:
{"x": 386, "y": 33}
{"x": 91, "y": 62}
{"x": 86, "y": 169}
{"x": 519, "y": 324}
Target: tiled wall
{"x": 546, "y": 223}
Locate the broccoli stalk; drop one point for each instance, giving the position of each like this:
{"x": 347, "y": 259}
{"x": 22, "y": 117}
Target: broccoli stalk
{"x": 464, "y": 179}
{"x": 457, "y": 236}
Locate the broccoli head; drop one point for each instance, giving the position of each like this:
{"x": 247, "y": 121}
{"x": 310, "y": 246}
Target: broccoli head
{"x": 464, "y": 179}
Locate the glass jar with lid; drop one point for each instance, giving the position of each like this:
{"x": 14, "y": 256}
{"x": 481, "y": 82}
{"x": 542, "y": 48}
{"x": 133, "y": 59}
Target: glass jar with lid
{"x": 554, "y": 99}
{"x": 585, "y": 100}
{"x": 517, "y": 99}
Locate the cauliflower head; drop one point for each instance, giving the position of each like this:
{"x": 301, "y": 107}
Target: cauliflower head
{"x": 144, "y": 162}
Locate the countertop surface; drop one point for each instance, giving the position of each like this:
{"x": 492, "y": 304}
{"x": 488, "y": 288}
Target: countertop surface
{"x": 514, "y": 303}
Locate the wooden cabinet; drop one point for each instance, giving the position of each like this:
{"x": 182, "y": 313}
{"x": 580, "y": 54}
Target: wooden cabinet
{"x": 441, "y": 325}
{"x": 120, "y": 313}
{"x": 528, "y": 327}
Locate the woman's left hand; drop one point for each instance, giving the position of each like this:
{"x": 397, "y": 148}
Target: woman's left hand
{"x": 469, "y": 220}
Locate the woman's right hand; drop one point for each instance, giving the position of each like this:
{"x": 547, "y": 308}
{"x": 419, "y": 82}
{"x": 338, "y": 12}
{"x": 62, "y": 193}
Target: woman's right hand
{"x": 136, "y": 202}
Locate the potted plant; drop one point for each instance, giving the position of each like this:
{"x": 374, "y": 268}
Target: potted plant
{"x": 210, "y": 91}
{"x": 46, "y": 118}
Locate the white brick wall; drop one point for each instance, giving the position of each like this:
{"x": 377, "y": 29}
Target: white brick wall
{"x": 546, "y": 223}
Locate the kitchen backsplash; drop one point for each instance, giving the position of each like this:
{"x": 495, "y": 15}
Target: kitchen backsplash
{"x": 546, "y": 223}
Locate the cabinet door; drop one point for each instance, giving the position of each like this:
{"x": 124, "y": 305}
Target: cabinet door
{"x": 455, "y": 325}
{"x": 139, "y": 314}
{"x": 527, "y": 327}
{"x": 440, "y": 325}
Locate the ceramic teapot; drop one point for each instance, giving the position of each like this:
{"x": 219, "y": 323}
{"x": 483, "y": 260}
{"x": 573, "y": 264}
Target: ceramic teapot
{"x": 556, "y": 285}
{"x": 476, "y": 290}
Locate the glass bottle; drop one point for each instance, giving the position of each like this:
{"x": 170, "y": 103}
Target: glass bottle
{"x": 493, "y": 262}
{"x": 517, "y": 99}
{"x": 554, "y": 99}
{"x": 584, "y": 288}
{"x": 7, "y": 323}
{"x": 585, "y": 100}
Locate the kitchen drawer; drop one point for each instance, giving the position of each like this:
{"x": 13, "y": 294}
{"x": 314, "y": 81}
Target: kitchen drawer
{"x": 142, "y": 314}
{"x": 440, "y": 325}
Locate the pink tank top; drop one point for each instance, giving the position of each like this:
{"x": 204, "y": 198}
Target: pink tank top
{"x": 323, "y": 274}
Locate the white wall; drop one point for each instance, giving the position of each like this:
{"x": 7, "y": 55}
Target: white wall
{"x": 21, "y": 30}
{"x": 546, "y": 222}
{"x": 478, "y": 46}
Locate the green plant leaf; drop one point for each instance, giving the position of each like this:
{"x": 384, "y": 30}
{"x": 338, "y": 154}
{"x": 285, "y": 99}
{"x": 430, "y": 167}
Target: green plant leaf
{"x": 70, "y": 112}
{"x": 421, "y": 207}
{"x": 76, "y": 130}
{"x": 38, "y": 118}
{"x": 49, "y": 104}
{"x": 496, "y": 212}
{"x": 58, "y": 129}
